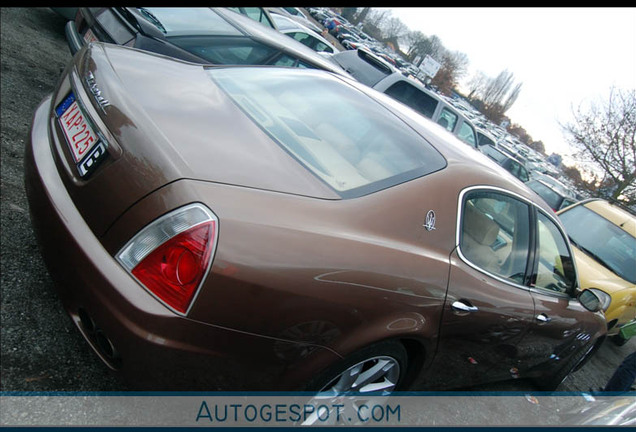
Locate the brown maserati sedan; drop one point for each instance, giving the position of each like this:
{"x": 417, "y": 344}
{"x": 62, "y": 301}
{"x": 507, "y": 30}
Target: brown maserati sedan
{"x": 249, "y": 227}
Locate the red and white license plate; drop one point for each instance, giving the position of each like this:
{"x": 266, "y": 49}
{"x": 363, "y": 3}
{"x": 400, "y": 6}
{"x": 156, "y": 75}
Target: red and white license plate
{"x": 80, "y": 136}
{"x": 89, "y": 37}
{"x": 86, "y": 147}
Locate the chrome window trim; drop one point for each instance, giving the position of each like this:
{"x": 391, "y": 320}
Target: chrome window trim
{"x": 569, "y": 247}
{"x": 515, "y": 195}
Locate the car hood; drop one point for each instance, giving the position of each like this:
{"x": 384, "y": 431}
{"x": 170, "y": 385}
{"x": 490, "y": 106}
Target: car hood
{"x": 174, "y": 123}
{"x": 592, "y": 274}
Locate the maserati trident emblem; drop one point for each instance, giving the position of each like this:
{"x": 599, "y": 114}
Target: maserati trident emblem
{"x": 430, "y": 221}
{"x": 96, "y": 92}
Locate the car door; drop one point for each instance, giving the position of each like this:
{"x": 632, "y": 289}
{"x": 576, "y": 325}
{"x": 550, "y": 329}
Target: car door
{"x": 488, "y": 309}
{"x": 561, "y": 325}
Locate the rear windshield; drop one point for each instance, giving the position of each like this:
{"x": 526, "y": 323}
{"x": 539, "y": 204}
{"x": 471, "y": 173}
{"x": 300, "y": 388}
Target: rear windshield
{"x": 340, "y": 134}
{"x": 410, "y": 95}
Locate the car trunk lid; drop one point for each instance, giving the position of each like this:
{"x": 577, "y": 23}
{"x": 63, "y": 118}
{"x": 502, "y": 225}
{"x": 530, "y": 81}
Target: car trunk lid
{"x": 165, "y": 120}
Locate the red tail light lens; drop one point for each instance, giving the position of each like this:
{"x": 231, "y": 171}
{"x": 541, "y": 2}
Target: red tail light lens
{"x": 171, "y": 256}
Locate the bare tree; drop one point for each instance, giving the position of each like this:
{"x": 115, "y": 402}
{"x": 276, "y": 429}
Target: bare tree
{"x": 496, "y": 89}
{"x": 496, "y": 95}
{"x": 377, "y": 18}
{"x": 477, "y": 84}
{"x": 511, "y": 97}
{"x": 394, "y": 27}
{"x": 605, "y": 135}
{"x": 454, "y": 67}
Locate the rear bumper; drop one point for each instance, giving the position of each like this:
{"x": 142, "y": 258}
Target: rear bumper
{"x": 128, "y": 329}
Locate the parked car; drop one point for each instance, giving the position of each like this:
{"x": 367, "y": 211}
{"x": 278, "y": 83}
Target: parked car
{"x": 375, "y": 72}
{"x": 508, "y": 162}
{"x": 603, "y": 236}
{"x": 354, "y": 44}
{"x": 320, "y": 14}
{"x": 295, "y": 11}
{"x": 202, "y": 35}
{"x": 556, "y": 197}
{"x": 251, "y": 227}
{"x": 258, "y": 14}
{"x": 295, "y": 15}
{"x": 484, "y": 137}
{"x": 303, "y": 34}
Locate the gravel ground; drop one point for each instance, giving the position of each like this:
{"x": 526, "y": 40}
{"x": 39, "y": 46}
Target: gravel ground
{"x": 40, "y": 348}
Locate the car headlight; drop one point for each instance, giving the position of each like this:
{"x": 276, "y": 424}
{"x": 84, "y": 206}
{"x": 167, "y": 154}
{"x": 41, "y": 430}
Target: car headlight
{"x": 604, "y": 297}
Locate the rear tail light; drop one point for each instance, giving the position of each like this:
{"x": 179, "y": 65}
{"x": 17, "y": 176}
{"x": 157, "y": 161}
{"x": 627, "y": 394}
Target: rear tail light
{"x": 171, "y": 256}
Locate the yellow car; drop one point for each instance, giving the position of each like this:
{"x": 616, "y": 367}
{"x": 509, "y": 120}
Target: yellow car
{"x": 603, "y": 236}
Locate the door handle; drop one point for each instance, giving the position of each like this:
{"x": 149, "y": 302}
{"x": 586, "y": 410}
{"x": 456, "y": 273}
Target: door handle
{"x": 461, "y": 306}
{"x": 543, "y": 318}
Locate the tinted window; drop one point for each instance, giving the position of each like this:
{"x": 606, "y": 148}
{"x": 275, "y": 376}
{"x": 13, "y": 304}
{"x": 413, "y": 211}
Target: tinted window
{"x": 555, "y": 271}
{"x": 494, "y": 154}
{"x": 608, "y": 244}
{"x": 495, "y": 234}
{"x": 484, "y": 140}
{"x": 364, "y": 67}
{"x": 410, "y": 95}
{"x": 227, "y": 51}
{"x": 355, "y": 146}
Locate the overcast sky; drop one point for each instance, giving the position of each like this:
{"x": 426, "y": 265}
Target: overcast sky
{"x": 563, "y": 56}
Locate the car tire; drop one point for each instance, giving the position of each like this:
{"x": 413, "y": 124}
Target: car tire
{"x": 389, "y": 358}
{"x": 575, "y": 362}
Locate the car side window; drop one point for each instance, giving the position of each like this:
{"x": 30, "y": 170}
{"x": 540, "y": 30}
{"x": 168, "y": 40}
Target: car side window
{"x": 302, "y": 37}
{"x": 467, "y": 134}
{"x": 555, "y": 271}
{"x": 495, "y": 234}
{"x": 447, "y": 119}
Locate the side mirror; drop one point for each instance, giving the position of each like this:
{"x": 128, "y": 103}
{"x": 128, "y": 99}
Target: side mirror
{"x": 590, "y": 301}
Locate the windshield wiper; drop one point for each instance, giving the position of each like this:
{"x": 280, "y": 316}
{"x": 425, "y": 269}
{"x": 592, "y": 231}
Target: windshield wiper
{"x": 593, "y": 255}
{"x": 153, "y": 19}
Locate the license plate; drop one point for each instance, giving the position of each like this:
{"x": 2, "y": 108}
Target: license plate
{"x": 89, "y": 37}
{"x": 85, "y": 146}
